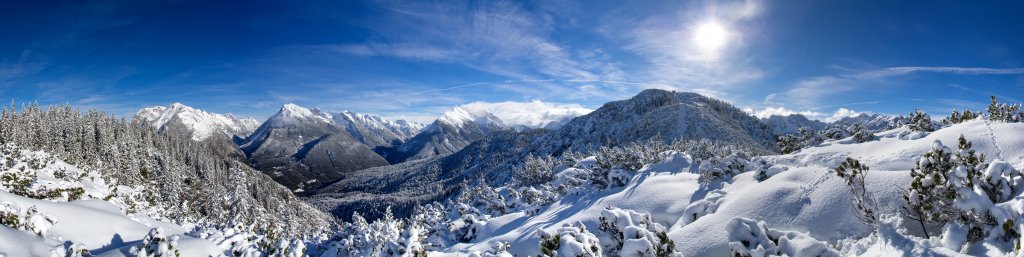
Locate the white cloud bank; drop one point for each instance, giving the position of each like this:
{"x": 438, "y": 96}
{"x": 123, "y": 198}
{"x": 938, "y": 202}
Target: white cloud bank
{"x": 532, "y": 114}
{"x": 782, "y": 111}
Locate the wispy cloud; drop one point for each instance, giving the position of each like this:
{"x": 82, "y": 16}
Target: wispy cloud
{"x": 897, "y": 71}
{"x": 402, "y": 50}
{"x": 498, "y": 37}
{"x": 814, "y": 115}
{"x": 12, "y": 71}
{"x": 809, "y": 93}
{"x": 531, "y": 114}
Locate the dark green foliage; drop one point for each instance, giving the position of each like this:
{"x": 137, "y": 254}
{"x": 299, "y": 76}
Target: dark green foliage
{"x": 860, "y": 134}
{"x": 929, "y": 200}
{"x": 957, "y": 117}
{"x": 549, "y": 245}
{"x": 920, "y": 121}
{"x": 1003, "y": 112}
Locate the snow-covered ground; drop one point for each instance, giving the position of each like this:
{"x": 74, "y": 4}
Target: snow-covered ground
{"x": 101, "y": 220}
{"x": 805, "y": 196}
{"x": 801, "y": 208}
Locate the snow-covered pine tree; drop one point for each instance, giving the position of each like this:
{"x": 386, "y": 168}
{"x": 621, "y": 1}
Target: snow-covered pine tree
{"x": 929, "y": 200}
{"x": 1003, "y": 112}
{"x": 861, "y": 134}
{"x": 956, "y": 117}
{"x": 854, "y": 173}
{"x": 920, "y": 121}
{"x": 835, "y": 132}
{"x": 788, "y": 144}
{"x": 164, "y": 166}
{"x": 535, "y": 170}
{"x": 157, "y": 244}
{"x": 570, "y": 241}
{"x": 10, "y": 214}
{"x": 808, "y": 137}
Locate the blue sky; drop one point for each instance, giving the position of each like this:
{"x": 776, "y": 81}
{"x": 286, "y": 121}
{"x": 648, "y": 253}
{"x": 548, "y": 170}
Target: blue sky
{"x": 415, "y": 59}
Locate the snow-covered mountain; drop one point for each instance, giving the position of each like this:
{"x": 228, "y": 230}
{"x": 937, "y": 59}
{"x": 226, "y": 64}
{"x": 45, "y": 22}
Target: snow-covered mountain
{"x": 452, "y": 131}
{"x": 654, "y": 112}
{"x": 402, "y": 186}
{"x": 493, "y": 156}
{"x": 201, "y": 124}
{"x": 870, "y": 121}
{"x": 790, "y": 124}
{"x": 302, "y": 148}
{"x": 375, "y": 131}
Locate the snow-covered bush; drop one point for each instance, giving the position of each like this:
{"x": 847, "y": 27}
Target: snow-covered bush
{"x": 920, "y": 121}
{"x": 247, "y": 240}
{"x": 32, "y": 220}
{"x": 38, "y": 222}
{"x": 763, "y": 169}
{"x": 929, "y": 200}
{"x": 535, "y": 171}
{"x": 722, "y": 168}
{"x": 788, "y": 144}
{"x": 434, "y": 226}
{"x": 498, "y": 249}
{"x": 387, "y": 236}
{"x": 10, "y": 214}
{"x": 482, "y": 199}
{"x": 634, "y": 234}
{"x": 77, "y": 250}
{"x": 860, "y": 134}
{"x": 835, "y": 132}
{"x": 570, "y": 241}
{"x": 700, "y": 208}
{"x": 20, "y": 172}
{"x": 957, "y": 117}
{"x": 854, "y": 173}
{"x": 958, "y": 191}
{"x": 1003, "y": 112}
{"x": 750, "y": 238}
{"x": 157, "y": 244}
{"x": 809, "y": 137}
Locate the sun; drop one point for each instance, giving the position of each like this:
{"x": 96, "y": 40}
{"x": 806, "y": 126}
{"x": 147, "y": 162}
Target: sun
{"x": 710, "y": 37}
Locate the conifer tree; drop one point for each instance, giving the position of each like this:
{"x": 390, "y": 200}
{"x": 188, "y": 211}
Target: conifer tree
{"x": 860, "y": 134}
{"x": 920, "y": 121}
{"x": 929, "y": 200}
{"x": 1004, "y": 112}
{"x": 788, "y": 144}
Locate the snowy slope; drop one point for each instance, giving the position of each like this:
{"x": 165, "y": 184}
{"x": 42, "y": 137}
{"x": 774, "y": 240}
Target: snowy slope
{"x": 200, "y": 123}
{"x": 805, "y": 196}
{"x": 102, "y": 227}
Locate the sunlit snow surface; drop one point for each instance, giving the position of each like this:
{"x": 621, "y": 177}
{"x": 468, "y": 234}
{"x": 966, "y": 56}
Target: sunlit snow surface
{"x": 806, "y": 197}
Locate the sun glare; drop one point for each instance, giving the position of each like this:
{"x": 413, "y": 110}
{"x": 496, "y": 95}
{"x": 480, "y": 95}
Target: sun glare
{"x": 710, "y": 37}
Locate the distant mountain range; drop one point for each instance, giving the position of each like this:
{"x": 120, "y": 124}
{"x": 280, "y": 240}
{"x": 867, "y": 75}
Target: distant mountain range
{"x": 350, "y": 161}
{"x": 670, "y": 115}
{"x": 790, "y": 124}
